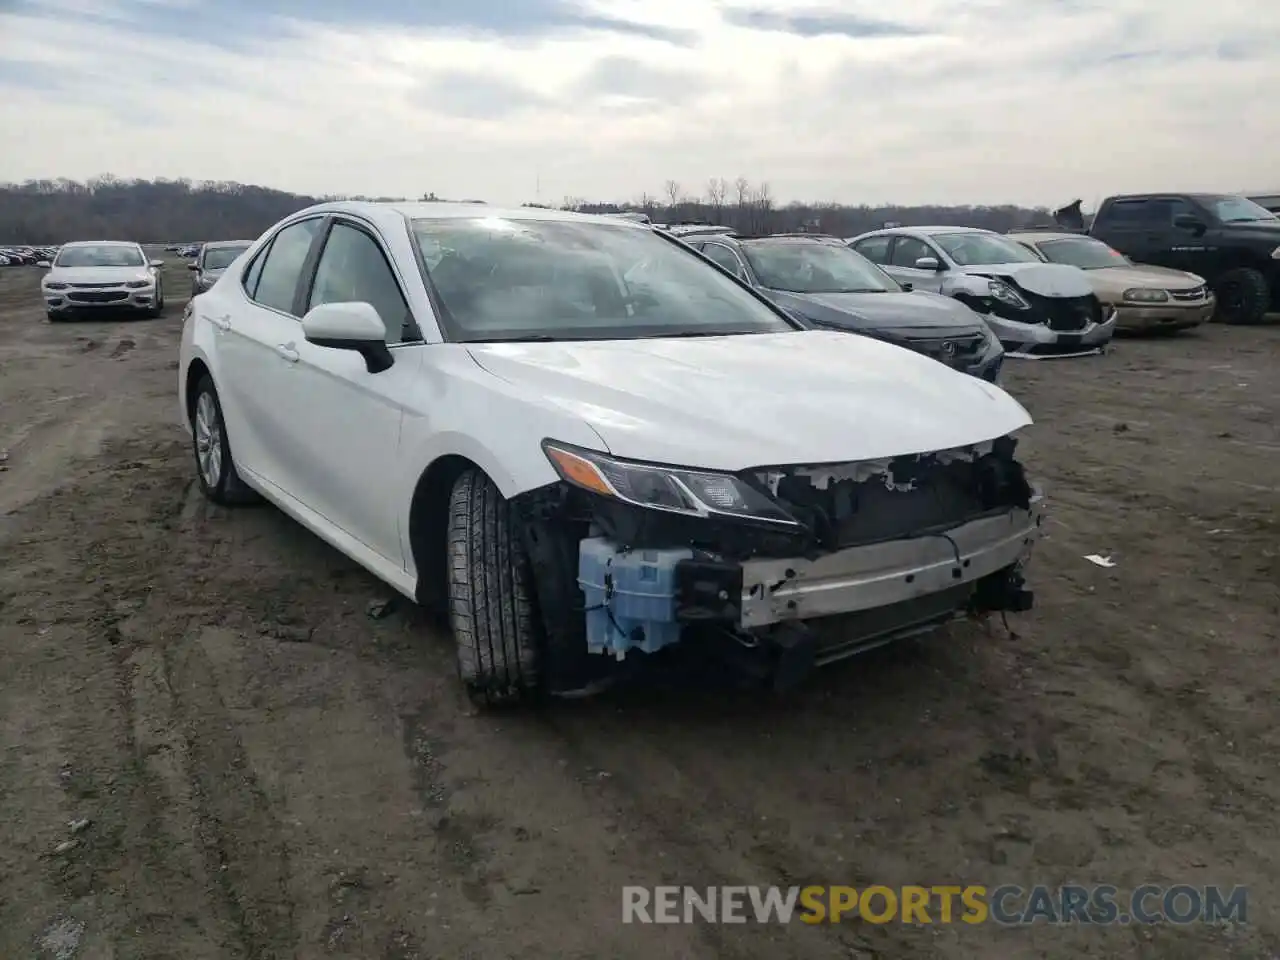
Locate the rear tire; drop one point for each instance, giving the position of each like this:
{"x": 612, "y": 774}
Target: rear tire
{"x": 1243, "y": 296}
{"x": 495, "y": 628}
{"x": 215, "y": 466}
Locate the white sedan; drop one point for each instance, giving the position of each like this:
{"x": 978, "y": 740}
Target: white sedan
{"x": 89, "y": 275}
{"x": 590, "y": 444}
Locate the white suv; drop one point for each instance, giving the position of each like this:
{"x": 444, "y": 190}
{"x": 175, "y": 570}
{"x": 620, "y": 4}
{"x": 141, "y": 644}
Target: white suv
{"x": 591, "y": 444}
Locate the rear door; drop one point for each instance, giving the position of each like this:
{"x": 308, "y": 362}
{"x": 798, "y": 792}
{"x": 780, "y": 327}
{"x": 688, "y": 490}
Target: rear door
{"x": 251, "y": 373}
{"x": 1132, "y": 227}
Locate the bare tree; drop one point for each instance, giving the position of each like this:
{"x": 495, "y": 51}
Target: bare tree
{"x": 572, "y": 203}
{"x": 717, "y": 190}
{"x": 672, "y": 189}
{"x": 648, "y": 203}
{"x": 742, "y": 188}
{"x": 762, "y": 204}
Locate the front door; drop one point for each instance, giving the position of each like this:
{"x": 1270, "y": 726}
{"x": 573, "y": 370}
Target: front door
{"x": 344, "y": 421}
{"x": 902, "y": 264}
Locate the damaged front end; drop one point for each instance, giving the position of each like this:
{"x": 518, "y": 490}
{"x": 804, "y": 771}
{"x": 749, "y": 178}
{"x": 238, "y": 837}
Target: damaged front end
{"x": 776, "y": 569}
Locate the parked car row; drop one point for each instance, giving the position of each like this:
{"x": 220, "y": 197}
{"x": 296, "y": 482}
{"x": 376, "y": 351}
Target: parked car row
{"x": 595, "y": 446}
{"x": 25, "y": 256}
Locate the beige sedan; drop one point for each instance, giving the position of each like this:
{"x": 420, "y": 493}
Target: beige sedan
{"x": 1144, "y": 297}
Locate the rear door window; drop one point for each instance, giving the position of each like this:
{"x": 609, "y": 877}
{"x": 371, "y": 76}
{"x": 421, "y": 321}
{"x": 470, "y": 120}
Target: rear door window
{"x": 282, "y": 266}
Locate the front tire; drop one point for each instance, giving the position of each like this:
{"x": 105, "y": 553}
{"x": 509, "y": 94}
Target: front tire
{"x": 1243, "y": 296}
{"x": 490, "y": 595}
{"x": 215, "y": 466}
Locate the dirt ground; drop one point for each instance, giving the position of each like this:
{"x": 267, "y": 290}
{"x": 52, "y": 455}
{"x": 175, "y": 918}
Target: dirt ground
{"x": 268, "y": 771}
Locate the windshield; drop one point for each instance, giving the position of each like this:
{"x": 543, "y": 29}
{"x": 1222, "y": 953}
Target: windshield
{"x": 578, "y": 280}
{"x": 1083, "y": 253}
{"x": 219, "y": 258}
{"x": 103, "y": 255}
{"x": 808, "y": 267}
{"x": 983, "y": 249}
{"x": 1240, "y": 210}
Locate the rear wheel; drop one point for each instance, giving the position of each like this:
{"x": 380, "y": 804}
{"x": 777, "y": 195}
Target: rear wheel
{"x": 215, "y": 466}
{"x": 495, "y": 628}
{"x": 1243, "y": 296}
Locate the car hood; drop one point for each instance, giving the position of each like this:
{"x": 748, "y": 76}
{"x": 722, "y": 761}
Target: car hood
{"x": 729, "y": 403}
{"x": 1046, "y": 279}
{"x": 1116, "y": 280}
{"x": 97, "y": 274}
{"x": 880, "y": 311}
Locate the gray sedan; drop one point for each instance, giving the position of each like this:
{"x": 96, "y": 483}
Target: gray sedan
{"x": 825, "y": 284}
{"x": 211, "y": 260}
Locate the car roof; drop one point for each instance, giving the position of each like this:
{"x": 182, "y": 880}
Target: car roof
{"x": 926, "y": 231}
{"x": 99, "y": 243}
{"x": 385, "y": 213}
{"x": 1038, "y": 235}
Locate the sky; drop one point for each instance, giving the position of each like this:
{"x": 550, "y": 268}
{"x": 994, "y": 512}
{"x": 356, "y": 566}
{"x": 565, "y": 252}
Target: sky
{"x": 1034, "y": 102}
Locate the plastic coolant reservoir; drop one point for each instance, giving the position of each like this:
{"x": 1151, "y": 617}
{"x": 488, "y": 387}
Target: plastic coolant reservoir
{"x": 630, "y": 597}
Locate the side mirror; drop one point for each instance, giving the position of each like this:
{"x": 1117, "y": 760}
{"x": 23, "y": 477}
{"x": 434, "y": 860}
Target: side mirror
{"x": 928, "y": 263}
{"x": 350, "y": 326}
{"x": 157, "y": 264}
{"x": 44, "y": 264}
{"x": 193, "y": 266}
{"x": 1189, "y": 221}
{"x": 907, "y": 287}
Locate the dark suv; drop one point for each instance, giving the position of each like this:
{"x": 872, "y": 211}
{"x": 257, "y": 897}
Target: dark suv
{"x": 825, "y": 284}
{"x": 1231, "y": 241}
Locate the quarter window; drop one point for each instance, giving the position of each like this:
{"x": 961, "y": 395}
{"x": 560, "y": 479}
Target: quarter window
{"x": 353, "y": 269}
{"x": 723, "y": 256}
{"x": 282, "y": 266}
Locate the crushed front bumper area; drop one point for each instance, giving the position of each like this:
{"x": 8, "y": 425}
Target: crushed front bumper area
{"x": 883, "y": 574}
{"x": 778, "y": 618}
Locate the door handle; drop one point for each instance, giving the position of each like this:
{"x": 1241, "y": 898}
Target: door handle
{"x": 286, "y": 352}
{"x": 222, "y": 323}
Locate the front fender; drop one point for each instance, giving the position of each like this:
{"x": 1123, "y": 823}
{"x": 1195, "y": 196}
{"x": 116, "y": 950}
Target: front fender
{"x": 966, "y": 284}
{"x": 461, "y": 410}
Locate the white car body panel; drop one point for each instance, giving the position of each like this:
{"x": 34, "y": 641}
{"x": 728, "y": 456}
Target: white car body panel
{"x": 342, "y": 450}
{"x": 660, "y": 400}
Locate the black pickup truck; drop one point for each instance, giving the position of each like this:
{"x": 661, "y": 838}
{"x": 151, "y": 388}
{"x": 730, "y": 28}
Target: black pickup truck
{"x": 1229, "y": 240}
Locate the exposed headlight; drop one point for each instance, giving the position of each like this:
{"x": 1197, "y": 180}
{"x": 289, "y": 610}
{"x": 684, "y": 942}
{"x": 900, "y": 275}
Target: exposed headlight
{"x": 1006, "y": 294}
{"x": 55, "y": 286}
{"x": 1145, "y": 295}
{"x": 694, "y": 493}
{"x": 139, "y": 284}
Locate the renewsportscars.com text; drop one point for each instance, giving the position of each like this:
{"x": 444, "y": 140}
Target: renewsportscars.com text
{"x": 1009, "y": 905}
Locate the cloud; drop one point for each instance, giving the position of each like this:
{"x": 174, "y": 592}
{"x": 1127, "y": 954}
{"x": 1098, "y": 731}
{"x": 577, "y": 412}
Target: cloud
{"x": 818, "y": 24}
{"x": 986, "y": 101}
{"x": 634, "y": 79}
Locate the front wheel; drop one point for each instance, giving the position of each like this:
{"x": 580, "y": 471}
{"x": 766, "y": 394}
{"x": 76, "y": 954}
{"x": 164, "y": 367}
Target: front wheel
{"x": 1243, "y": 296}
{"x": 490, "y": 594}
{"x": 215, "y": 467}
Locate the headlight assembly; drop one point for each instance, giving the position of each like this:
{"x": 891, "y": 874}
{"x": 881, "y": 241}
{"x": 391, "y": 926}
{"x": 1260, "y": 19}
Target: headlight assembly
{"x": 1006, "y": 294}
{"x": 55, "y": 286}
{"x": 694, "y": 493}
{"x": 139, "y": 284}
{"x": 1146, "y": 295}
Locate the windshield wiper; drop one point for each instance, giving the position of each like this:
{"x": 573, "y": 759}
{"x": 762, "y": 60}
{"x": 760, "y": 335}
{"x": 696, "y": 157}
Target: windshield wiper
{"x": 701, "y": 333}
{"x": 523, "y": 338}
